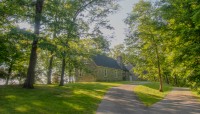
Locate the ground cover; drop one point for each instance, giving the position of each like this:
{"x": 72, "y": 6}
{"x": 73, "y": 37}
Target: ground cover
{"x": 196, "y": 93}
{"x": 78, "y": 98}
{"x": 148, "y": 93}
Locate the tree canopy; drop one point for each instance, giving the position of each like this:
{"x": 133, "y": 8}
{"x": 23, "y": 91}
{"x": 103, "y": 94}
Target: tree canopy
{"x": 165, "y": 34}
{"x": 60, "y": 28}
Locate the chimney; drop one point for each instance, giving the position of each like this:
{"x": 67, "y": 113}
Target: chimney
{"x": 119, "y": 61}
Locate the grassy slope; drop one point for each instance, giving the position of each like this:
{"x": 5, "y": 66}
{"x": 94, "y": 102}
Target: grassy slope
{"x": 79, "y": 98}
{"x": 196, "y": 94}
{"x": 149, "y": 94}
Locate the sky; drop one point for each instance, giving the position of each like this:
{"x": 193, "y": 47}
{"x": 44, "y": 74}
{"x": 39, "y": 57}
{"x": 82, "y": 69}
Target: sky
{"x": 117, "y": 21}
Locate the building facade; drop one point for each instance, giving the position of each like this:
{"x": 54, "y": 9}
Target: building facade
{"x": 103, "y": 68}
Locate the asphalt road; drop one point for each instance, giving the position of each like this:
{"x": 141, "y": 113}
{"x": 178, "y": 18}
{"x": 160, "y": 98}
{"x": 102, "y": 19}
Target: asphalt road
{"x": 122, "y": 100}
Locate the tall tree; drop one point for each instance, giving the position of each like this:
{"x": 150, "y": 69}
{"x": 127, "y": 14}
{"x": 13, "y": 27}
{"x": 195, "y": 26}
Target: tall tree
{"x": 33, "y": 57}
{"x": 53, "y": 27}
{"x": 145, "y": 40}
{"x": 14, "y": 50}
{"x": 80, "y": 16}
{"x": 173, "y": 39}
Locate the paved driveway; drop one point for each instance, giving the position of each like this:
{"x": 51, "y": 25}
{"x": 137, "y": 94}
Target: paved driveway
{"x": 179, "y": 101}
{"x": 122, "y": 100}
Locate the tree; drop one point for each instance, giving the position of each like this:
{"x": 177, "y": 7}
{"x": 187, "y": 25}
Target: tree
{"x": 97, "y": 10}
{"x": 33, "y": 57}
{"x": 184, "y": 30}
{"x": 145, "y": 40}
{"x": 14, "y": 45}
{"x": 173, "y": 39}
{"x": 101, "y": 44}
{"x": 118, "y": 50}
{"x": 57, "y": 23}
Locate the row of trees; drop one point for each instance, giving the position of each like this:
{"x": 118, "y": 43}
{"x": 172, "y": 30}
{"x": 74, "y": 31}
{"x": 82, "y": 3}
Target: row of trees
{"x": 65, "y": 32}
{"x": 163, "y": 41}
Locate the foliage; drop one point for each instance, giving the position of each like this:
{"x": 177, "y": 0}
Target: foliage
{"x": 149, "y": 94}
{"x": 58, "y": 27}
{"x": 102, "y": 44}
{"x": 14, "y": 53}
{"x": 145, "y": 41}
{"x": 73, "y": 98}
{"x": 120, "y": 50}
{"x": 171, "y": 26}
{"x": 185, "y": 32}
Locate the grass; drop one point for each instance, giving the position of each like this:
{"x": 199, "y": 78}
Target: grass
{"x": 197, "y": 94}
{"x": 78, "y": 98}
{"x": 149, "y": 93}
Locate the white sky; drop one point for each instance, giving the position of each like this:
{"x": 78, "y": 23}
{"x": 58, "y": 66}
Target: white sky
{"x": 117, "y": 21}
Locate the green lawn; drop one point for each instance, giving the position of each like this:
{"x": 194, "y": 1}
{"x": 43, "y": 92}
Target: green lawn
{"x": 78, "y": 98}
{"x": 149, "y": 94}
{"x": 197, "y": 94}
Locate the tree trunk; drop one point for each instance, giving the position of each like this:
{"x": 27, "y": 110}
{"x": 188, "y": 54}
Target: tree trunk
{"x": 70, "y": 72}
{"x": 50, "y": 69}
{"x": 167, "y": 79}
{"x": 175, "y": 80}
{"x": 62, "y": 73}
{"x": 159, "y": 71}
{"x": 51, "y": 58}
{"x": 70, "y": 76}
{"x": 33, "y": 57}
{"x": 158, "y": 65}
{"x": 9, "y": 73}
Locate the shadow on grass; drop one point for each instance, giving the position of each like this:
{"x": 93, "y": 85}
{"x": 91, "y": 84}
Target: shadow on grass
{"x": 79, "y": 98}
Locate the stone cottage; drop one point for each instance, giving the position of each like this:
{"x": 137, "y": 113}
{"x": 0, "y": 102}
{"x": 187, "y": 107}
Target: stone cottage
{"x": 103, "y": 68}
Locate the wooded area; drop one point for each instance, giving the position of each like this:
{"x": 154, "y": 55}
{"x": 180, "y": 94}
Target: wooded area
{"x": 163, "y": 39}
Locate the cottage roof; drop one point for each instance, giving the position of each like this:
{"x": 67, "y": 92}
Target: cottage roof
{"x": 102, "y": 60}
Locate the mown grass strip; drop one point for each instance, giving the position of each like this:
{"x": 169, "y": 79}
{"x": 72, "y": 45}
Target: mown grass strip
{"x": 77, "y": 98}
{"x": 149, "y": 94}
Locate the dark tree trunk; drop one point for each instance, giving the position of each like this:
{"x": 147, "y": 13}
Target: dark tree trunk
{"x": 175, "y": 80}
{"x": 167, "y": 79}
{"x": 9, "y": 73}
{"x": 63, "y": 65}
{"x": 70, "y": 75}
{"x": 50, "y": 69}
{"x": 62, "y": 73}
{"x": 70, "y": 72}
{"x": 51, "y": 59}
{"x": 33, "y": 57}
